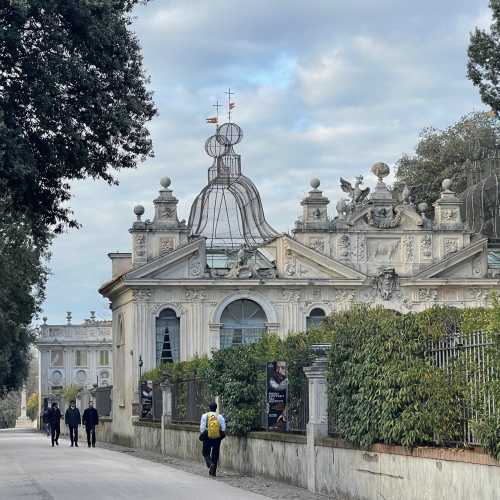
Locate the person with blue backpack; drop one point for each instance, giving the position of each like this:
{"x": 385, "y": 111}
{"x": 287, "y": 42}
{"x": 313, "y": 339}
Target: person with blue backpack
{"x": 212, "y": 432}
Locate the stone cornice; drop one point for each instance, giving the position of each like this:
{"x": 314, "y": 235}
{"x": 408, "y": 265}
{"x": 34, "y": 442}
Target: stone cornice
{"x": 65, "y": 343}
{"x": 462, "y": 282}
{"x": 239, "y": 283}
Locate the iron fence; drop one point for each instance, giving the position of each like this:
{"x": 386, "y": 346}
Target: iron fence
{"x": 103, "y": 400}
{"x": 190, "y": 399}
{"x": 472, "y": 351}
{"x": 298, "y": 408}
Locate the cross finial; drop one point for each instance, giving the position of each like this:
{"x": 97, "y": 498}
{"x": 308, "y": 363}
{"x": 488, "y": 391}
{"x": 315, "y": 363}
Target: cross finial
{"x": 230, "y": 104}
{"x": 217, "y": 106}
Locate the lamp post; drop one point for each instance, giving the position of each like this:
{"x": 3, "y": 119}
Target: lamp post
{"x": 141, "y": 363}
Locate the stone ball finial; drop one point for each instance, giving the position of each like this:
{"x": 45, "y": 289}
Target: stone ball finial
{"x": 446, "y": 184}
{"x": 315, "y": 183}
{"x": 165, "y": 182}
{"x": 423, "y": 207}
{"x": 138, "y": 210}
{"x": 381, "y": 170}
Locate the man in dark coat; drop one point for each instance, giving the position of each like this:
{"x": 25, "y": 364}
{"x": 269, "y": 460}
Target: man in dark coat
{"x": 45, "y": 421}
{"x": 72, "y": 419}
{"x": 90, "y": 420}
{"x": 54, "y": 421}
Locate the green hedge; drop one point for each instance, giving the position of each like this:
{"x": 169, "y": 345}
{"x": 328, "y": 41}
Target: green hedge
{"x": 382, "y": 387}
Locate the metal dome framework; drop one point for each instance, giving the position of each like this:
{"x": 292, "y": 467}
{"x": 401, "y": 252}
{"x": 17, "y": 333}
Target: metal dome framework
{"x": 228, "y": 211}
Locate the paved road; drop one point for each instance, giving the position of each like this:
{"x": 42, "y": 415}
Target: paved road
{"x": 31, "y": 469}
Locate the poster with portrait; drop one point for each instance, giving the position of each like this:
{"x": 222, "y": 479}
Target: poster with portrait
{"x": 277, "y": 393}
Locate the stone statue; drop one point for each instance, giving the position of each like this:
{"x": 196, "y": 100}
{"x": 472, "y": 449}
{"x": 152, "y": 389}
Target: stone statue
{"x": 242, "y": 269}
{"x": 356, "y": 194}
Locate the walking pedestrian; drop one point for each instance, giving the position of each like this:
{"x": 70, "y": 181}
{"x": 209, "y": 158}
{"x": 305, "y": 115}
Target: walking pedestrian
{"x": 45, "y": 421}
{"x": 54, "y": 419}
{"x": 72, "y": 419}
{"x": 90, "y": 419}
{"x": 212, "y": 432}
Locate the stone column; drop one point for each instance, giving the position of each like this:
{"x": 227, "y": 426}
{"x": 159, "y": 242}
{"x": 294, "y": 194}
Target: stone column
{"x": 23, "y": 421}
{"x": 214, "y": 337}
{"x": 317, "y": 426}
{"x": 166, "y": 414}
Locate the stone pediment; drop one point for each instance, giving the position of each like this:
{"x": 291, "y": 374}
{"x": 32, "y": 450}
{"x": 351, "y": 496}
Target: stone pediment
{"x": 295, "y": 260}
{"x": 403, "y": 217}
{"x": 466, "y": 262}
{"x": 187, "y": 261}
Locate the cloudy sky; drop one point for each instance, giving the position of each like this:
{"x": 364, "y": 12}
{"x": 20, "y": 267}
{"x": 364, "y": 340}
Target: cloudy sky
{"x": 323, "y": 89}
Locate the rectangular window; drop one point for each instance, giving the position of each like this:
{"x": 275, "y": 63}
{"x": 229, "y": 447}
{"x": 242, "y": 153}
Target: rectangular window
{"x": 103, "y": 358}
{"x": 57, "y": 358}
{"x": 81, "y": 358}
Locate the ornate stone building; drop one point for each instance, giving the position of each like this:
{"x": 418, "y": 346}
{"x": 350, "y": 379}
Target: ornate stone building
{"x": 227, "y": 277}
{"x": 73, "y": 354}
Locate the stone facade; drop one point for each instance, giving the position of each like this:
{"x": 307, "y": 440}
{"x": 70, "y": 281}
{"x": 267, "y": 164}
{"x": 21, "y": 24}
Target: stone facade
{"x": 74, "y": 354}
{"x": 376, "y": 250}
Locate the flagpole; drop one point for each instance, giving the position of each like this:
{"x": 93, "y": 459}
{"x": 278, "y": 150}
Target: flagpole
{"x": 229, "y": 94}
{"x": 216, "y": 106}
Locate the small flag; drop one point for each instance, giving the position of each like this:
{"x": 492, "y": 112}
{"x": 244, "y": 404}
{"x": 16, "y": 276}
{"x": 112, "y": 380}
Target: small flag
{"x": 213, "y": 119}
{"x": 232, "y": 105}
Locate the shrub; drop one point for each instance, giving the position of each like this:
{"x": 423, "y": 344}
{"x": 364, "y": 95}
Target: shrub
{"x": 233, "y": 374}
{"x": 32, "y": 406}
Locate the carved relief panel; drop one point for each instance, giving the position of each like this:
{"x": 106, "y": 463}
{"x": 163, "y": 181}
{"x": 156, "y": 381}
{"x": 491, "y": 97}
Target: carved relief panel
{"x": 450, "y": 246}
{"x": 140, "y": 246}
{"x": 426, "y": 247}
{"x": 343, "y": 247}
{"x": 167, "y": 245}
{"x": 318, "y": 244}
{"x": 407, "y": 248}
{"x": 383, "y": 250}
{"x": 449, "y": 216}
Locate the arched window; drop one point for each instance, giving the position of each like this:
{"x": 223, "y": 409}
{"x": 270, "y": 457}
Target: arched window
{"x": 316, "y": 316}
{"x": 243, "y": 322}
{"x": 167, "y": 337}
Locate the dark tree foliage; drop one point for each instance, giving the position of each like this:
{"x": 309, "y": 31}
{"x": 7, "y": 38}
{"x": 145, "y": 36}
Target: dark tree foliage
{"x": 73, "y": 99}
{"x": 448, "y": 153}
{"x": 484, "y": 60}
{"x": 22, "y": 278}
{"x": 73, "y": 105}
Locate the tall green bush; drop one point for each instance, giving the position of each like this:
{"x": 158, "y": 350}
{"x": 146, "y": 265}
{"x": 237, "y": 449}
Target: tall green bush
{"x": 381, "y": 386}
{"x": 233, "y": 374}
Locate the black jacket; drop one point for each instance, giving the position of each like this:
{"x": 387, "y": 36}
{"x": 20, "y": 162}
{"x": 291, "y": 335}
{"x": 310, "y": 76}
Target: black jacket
{"x": 54, "y": 417}
{"x": 72, "y": 417}
{"x": 90, "y": 417}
